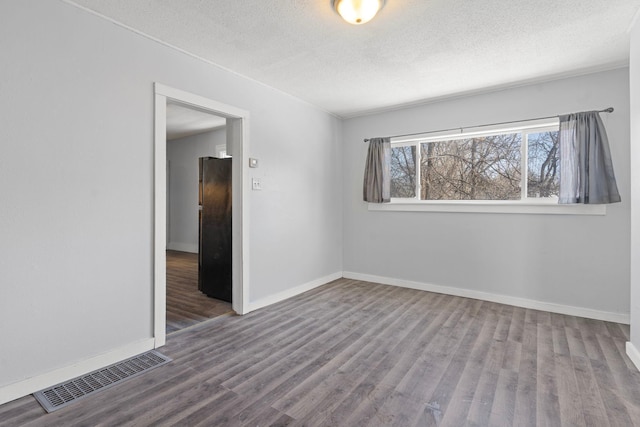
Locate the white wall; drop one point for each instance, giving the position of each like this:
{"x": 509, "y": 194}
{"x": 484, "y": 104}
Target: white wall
{"x": 580, "y": 261}
{"x": 76, "y": 184}
{"x": 634, "y": 74}
{"x": 183, "y": 155}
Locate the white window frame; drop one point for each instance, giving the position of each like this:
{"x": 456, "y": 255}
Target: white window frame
{"x": 526, "y": 205}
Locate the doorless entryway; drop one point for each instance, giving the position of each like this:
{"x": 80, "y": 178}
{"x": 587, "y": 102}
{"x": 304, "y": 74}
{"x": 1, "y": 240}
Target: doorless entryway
{"x": 237, "y": 144}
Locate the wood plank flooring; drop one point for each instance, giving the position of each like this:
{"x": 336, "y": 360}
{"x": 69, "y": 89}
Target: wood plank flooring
{"x": 186, "y": 305}
{"x": 353, "y": 353}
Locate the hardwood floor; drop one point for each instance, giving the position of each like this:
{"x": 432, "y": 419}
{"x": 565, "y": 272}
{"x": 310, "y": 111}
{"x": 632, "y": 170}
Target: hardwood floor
{"x": 186, "y": 305}
{"x": 353, "y": 353}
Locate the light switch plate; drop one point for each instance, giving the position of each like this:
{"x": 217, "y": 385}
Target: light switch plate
{"x": 253, "y": 163}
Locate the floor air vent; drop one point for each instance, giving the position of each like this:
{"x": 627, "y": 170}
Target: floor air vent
{"x": 64, "y": 394}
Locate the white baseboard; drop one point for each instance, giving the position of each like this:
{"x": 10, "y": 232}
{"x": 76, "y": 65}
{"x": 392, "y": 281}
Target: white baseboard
{"x": 502, "y": 299}
{"x": 633, "y": 354}
{"x": 30, "y": 385}
{"x": 281, "y": 296}
{"x": 182, "y": 247}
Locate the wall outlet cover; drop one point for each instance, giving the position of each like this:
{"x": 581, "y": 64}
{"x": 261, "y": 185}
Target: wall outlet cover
{"x": 255, "y": 184}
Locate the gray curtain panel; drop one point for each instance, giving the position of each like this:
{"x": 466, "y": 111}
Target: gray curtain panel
{"x": 586, "y": 170}
{"x": 377, "y": 177}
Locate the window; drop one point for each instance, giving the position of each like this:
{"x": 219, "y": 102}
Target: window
{"x": 498, "y": 165}
{"x": 501, "y": 169}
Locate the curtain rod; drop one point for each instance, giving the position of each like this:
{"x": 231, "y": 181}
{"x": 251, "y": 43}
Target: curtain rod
{"x": 606, "y": 110}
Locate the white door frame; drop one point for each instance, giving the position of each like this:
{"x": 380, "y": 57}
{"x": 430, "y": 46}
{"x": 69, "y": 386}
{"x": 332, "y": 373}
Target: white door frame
{"x": 238, "y": 145}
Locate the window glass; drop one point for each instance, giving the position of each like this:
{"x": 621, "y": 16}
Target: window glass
{"x": 403, "y": 171}
{"x": 481, "y": 168}
{"x": 513, "y": 164}
{"x": 543, "y": 164}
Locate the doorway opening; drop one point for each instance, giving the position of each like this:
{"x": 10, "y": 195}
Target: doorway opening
{"x": 199, "y": 222}
{"x": 227, "y": 138}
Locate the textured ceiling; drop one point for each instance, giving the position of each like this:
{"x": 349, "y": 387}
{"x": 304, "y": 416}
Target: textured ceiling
{"x": 184, "y": 121}
{"x": 413, "y": 51}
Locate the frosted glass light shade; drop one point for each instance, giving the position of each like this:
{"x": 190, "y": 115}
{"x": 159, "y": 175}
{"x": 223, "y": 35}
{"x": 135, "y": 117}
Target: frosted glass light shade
{"x": 357, "y": 11}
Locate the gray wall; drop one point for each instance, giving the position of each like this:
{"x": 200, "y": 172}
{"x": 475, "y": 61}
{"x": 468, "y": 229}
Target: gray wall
{"x": 580, "y": 261}
{"x": 634, "y": 71}
{"x": 182, "y": 197}
{"x": 76, "y": 183}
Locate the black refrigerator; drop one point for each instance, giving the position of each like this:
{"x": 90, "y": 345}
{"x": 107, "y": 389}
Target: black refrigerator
{"x": 214, "y": 261}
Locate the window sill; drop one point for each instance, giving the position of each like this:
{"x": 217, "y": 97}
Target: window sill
{"x": 490, "y": 207}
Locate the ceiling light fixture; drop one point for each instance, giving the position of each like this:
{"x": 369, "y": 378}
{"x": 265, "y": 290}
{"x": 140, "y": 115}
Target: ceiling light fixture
{"x": 357, "y": 11}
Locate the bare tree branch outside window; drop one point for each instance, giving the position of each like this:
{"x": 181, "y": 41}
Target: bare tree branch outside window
{"x": 480, "y": 168}
{"x": 483, "y": 168}
{"x": 543, "y": 178}
{"x": 403, "y": 171}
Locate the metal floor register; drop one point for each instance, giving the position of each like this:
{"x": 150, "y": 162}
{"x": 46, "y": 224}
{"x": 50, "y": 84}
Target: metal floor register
{"x": 63, "y": 394}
